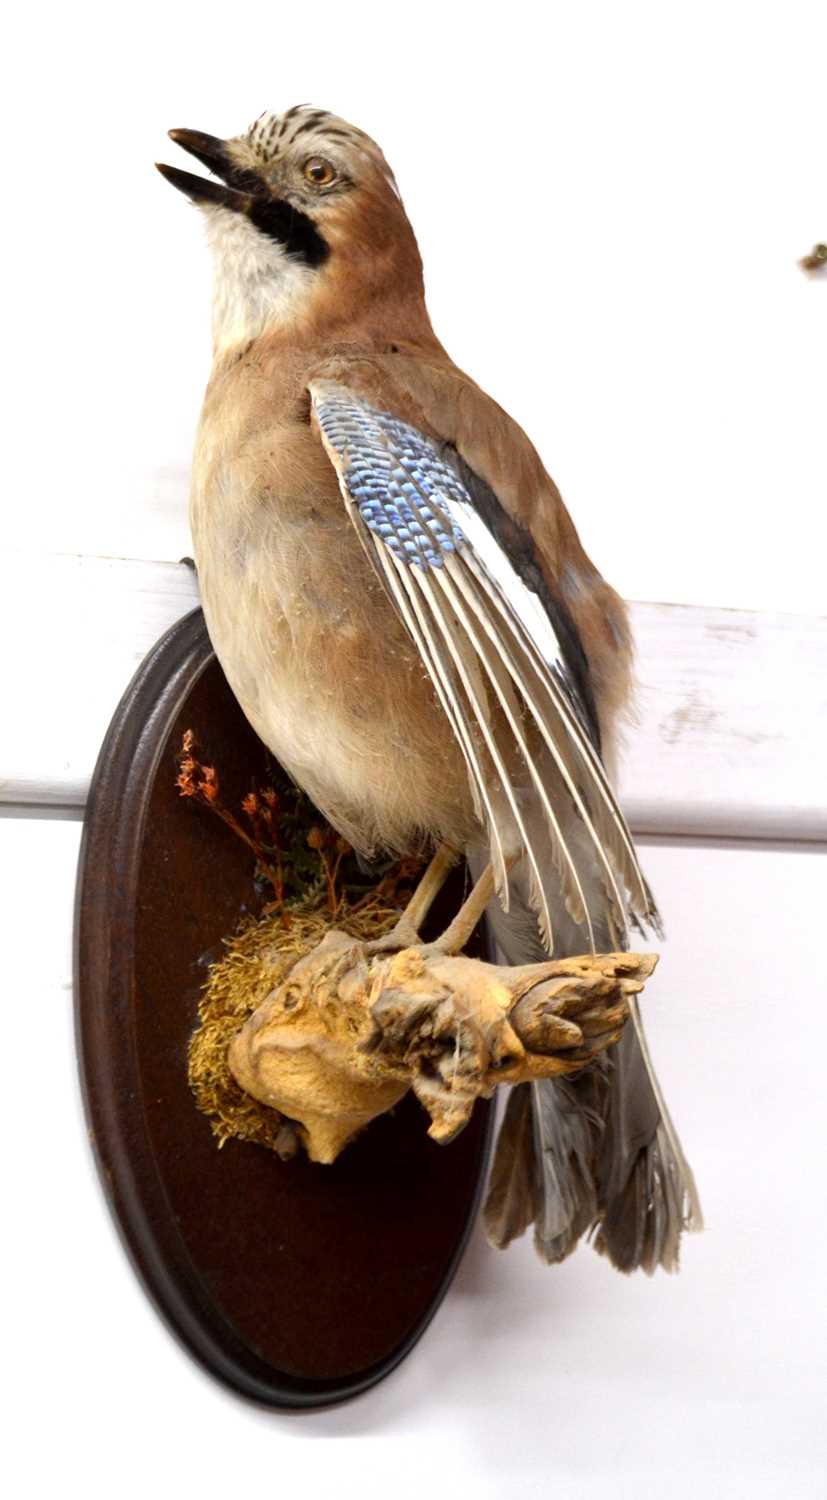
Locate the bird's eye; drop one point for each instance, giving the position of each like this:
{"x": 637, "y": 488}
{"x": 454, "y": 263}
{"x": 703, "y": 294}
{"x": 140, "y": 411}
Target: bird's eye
{"x": 319, "y": 171}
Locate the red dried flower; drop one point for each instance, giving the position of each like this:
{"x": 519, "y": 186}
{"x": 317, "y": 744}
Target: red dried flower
{"x": 208, "y": 787}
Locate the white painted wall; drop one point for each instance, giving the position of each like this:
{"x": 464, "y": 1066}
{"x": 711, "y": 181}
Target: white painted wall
{"x": 610, "y": 202}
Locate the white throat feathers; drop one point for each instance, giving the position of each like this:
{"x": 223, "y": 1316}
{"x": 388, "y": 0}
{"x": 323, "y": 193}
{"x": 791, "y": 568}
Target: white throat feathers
{"x": 257, "y": 283}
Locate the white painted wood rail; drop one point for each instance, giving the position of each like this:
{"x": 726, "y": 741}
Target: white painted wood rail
{"x": 732, "y": 705}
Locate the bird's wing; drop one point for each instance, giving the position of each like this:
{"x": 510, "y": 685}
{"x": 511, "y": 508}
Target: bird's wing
{"x": 495, "y": 659}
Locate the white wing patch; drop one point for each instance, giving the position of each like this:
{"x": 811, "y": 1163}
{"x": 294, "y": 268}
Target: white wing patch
{"x": 495, "y": 662}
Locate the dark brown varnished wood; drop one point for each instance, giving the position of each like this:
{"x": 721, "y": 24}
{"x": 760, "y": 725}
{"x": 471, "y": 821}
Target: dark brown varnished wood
{"x": 297, "y": 1284}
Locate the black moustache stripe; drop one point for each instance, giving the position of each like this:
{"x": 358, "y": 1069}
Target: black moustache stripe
{"x": 289, "y": 227}
{"x": 244, "y": 190}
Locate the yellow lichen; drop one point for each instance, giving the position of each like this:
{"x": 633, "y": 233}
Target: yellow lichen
{"x": 257, "y": 958}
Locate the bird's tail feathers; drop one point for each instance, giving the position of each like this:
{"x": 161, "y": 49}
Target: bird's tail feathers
{"x": 594, "y": 1154}
{"x": 646, "y": 1188}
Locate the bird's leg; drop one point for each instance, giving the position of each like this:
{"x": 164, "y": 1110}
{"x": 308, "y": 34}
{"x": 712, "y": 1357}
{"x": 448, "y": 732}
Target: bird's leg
{"x": 456, "y": 935}
{"x": 429, "y": 886}
{"x": 405, "y": 931}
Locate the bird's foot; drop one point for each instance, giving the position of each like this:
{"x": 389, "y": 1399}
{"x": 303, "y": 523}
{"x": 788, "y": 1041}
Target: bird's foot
{"x": 405, "y": 932}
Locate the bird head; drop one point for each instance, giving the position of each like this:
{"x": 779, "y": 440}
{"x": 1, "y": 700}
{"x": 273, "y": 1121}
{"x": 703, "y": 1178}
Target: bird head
{"x": 306, "y": 227}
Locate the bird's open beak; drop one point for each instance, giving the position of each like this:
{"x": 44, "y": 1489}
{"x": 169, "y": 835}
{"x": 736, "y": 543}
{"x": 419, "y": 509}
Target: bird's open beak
{"x": 246, "y": 191}
{"x": 236, "y": 188}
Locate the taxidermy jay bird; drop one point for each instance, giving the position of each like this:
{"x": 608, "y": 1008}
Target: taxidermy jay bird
{"x": 401, "y": 604}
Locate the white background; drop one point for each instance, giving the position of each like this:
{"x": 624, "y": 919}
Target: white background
{"x": 610, "y": 201}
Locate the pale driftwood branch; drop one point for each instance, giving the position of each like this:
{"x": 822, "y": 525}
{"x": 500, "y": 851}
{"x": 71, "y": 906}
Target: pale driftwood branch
{"x": 345, "y": 1035}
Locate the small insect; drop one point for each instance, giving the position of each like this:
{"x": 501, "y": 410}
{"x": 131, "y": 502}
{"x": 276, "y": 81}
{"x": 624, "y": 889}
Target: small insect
{"x": 816, "y": 260}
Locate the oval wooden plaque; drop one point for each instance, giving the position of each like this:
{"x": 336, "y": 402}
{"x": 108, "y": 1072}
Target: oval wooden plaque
{"x": 296, "y": 1284}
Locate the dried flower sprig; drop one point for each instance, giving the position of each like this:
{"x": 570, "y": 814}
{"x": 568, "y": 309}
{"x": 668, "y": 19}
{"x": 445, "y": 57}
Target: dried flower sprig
{"x": 816, "y": 260}
{"x": 331, "y": 849}
{"x": 294, "y": 851}
{"x": 260, "y": 808}
{"x": 201, "y": 782}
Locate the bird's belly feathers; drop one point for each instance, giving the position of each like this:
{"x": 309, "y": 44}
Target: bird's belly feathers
{"x": 326, "y": 674}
